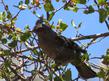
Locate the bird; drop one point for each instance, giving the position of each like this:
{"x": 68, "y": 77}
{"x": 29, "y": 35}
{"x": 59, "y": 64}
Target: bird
{"x": 61, "y": 49}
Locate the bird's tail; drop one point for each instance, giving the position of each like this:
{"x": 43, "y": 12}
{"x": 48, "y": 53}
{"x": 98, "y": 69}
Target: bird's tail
{"x": 85, "y": 71}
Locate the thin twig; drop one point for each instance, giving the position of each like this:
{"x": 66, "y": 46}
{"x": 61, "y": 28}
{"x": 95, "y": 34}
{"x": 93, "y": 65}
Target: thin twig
{"x": 62, "y": 7}
{"x": 16, "y": 14}
{"x": 107, "y": 24}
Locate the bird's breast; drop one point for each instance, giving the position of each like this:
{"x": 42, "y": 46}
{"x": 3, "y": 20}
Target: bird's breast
{"x": 49, "y": 48}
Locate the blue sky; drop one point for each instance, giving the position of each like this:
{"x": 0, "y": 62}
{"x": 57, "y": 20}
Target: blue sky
{"x": 90, "y": 25}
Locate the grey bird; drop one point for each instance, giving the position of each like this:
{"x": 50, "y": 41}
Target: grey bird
{"x": 62, "y": 49}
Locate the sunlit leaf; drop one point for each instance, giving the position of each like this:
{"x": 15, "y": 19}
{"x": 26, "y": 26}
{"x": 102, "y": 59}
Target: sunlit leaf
{"x": 62, "y": 25}
{"x": 85, "y": 57}
{"x": 1, "y": 17}
{"x": 101, "y": 1}
{"x": 51, "y": 16}
{"x": 73, "y": 24}
{"x": 48, "y": 6}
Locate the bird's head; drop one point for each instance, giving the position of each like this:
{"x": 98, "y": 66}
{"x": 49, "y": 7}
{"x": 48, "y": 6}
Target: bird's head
{"x": 42, "y": 29}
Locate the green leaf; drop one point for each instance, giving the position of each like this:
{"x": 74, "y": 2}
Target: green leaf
{"x": 68, "y": 6}
{"x": 21, "y": 2}
{"x": 90, "y": 10}
{"x": 27, "y": 2}
{"x": 22, "y": 7}
{"x": 48, "y": 6}
{"x": 82, "y": 1}
{"x": 73, "y": 24}
{"x": 101, "y": 74}
{"x": 63, "y": 0}
{"x": 9, "y": 15}
{"x": 74, "y": 9}
{"x": 4, "y": 16}
{"x": 57, "y": 0}
{"x": 10, "y": 37}
{"x": 57, "y": 78}
{"x": 106, "y": 58}
{"x": 4, "y": 40}
{"x": 50, "y": 76}
{"x": 79, "y": 24}
{"x": 102, "y": 15}
{"x": 26, "y": 27}
{"x": 1, "y": 35}
{"x": 62, "y": 25}
{"x": 51, "y": 16}
{"x": 25, "y": 36}
{"x": 34, "y": 12}
{"x": 101, "y": 1}
{"x": 6, "y": 52}
{"x": 13, "y": 44}
{"x": 107, "y": 52}
{"x": 68, "y": 75}
{"x": 85, "y": 57}
{"x": 1, "y": 17}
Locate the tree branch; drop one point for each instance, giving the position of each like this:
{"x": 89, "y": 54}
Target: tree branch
{"x": 91, "y": 36}
{"x": 24, "y": 50}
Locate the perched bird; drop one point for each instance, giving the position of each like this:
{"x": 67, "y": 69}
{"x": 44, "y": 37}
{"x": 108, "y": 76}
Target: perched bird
{"x": 62, "y": 49}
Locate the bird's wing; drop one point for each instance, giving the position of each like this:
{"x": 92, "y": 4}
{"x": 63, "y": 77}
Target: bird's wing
{"x": 63, "y": 41}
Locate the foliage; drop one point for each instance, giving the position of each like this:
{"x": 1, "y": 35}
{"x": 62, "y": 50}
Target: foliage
{"x": 19, "y": 48}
